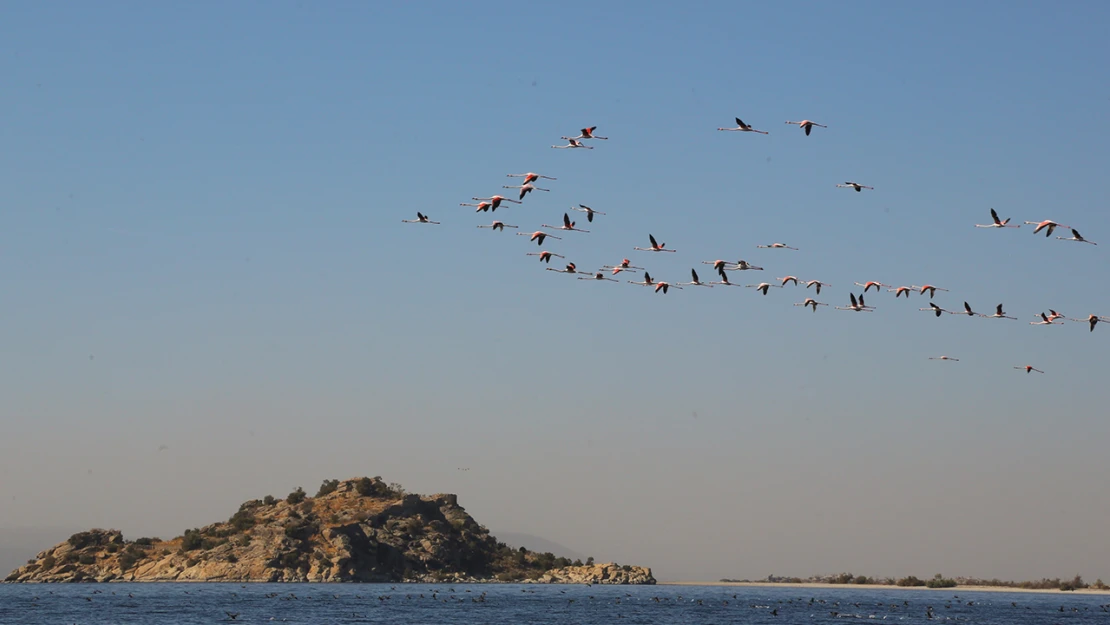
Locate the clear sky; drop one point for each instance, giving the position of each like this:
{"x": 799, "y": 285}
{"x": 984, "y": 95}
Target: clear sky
{"x": 202, "y": 248}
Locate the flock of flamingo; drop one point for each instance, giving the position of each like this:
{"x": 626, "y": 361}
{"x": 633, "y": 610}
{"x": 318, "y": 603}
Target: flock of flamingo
{"x": 722, "y": 267}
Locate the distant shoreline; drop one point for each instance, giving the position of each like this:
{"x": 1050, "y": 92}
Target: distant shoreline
{"x": 954, "y": 589}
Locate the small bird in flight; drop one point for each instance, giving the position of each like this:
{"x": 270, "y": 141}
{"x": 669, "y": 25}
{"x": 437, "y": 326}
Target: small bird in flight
{"x": 854, "y": 185}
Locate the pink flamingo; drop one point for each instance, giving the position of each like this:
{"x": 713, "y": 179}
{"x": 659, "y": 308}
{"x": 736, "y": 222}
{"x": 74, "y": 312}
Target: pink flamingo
{"x": 530, "y": 177}
{"x": 497, "y": 225}
{"x": 570, "y": 268}
{"x": 421, "y": 218}
{"x": 482, "y": 206}
{"x": 525, "y": 189}
{"x": 807, "y": 125}
{"x": 856, "y": 305}
{"x": 998, "y": 314}
{"x": 998, "y": 223}
{"x": 1049, "y": 224}
{"x": 567, "y": 225}
{"x": 812, "y": 303}
{"x": 545, "y": 257}
{"x": 496, "y": 200}
{"x": 742, "y": 127}
{"x": 902, "y": 290}
{"x": 871, "y": 283}
{"x": 587, "y": 133}
{"x": 573, "y": 143}
{"x": 655, "y": 247}
{"x": 1075, "y": 236}
{"x": 695, "y": 281}
{"x": 538, "y": 236}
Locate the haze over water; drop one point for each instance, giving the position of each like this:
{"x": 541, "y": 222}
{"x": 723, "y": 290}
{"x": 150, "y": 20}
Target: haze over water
{"x": 202, "y": 250}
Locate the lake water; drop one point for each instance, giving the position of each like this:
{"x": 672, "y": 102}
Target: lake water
{"x": 505, "y": 604}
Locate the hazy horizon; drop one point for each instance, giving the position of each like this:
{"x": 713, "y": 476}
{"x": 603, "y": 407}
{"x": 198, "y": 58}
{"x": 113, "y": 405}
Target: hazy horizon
{"x": 203, "y": 250}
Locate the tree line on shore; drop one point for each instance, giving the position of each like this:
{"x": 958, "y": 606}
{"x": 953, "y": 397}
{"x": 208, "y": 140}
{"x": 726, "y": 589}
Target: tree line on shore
{"x": 937, "y": 581}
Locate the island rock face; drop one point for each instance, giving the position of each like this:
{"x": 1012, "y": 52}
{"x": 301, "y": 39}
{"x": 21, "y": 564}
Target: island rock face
{"x": 358, "y": 530}
{"x": 609, "y": 573}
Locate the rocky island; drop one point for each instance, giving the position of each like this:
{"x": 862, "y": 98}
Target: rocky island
{"x": 358, "y": 530}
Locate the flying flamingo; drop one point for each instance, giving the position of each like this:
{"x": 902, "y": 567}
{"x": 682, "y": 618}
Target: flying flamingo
{"x": 496, "y": 200}
{"x": 1048, "y": 223}
{"x": 902, "y": 290}
{"x": 567, "y": 225}
{"x": 625, "y": 265}
{"x": 587, "y": 133}
{"x": 871, "y": 283}
{"x": 933, "y": 308}
{"x": 786, "y": 279}
{"x": 421, "y": 218}
{"x": 1075, "y": 236}
{"x": 812, "y": 303}
{"x": 538, "y": 236}
{"x": 966, "y": 311}
{"x": 944, "y": 358}
{"x": 1092, "y": 319}
{"x": 724, "y": 279}
{"x": 545, "y": 257}
{"x": 589, "y": 211}
{"x": 664, "y": 286}
{"x": 572, "y": 143}
{"x": 742, "y": 127}
{"x": 1029, "y": 368}
{"x": 530, "y": 177}
{"x": 570, "y": 268}
{"x": 818, "y": 284}
{"x": 525, "y": 189}
{"x": 599, "y": 276}
{"x": 655, "y": 247}
{"x": 807, "y": 125}
{"x": 998, "y": 314}
{"x": 482, "y": 206}
{"x": 763, "y": 286}
{"x": 777, "y": 246}
{"x": 856, "y": 306}
{"x": 718, "y": 265}
{"x": 743, "y": 265}
{"x": 1045, "y": 321}
{"x": 998, "y": 223}
{"x": 930, "y": 288}
{"x": 497, "y": 225}
{"x": 647, "y": 281}
{"x": 854, "y": 185}
{"x": 695, "y": 281}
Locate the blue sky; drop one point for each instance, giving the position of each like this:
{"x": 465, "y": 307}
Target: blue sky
{"x": 202, "y": 246}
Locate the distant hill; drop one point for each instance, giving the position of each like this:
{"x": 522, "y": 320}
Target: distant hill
{"x": 358, "y": 530}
